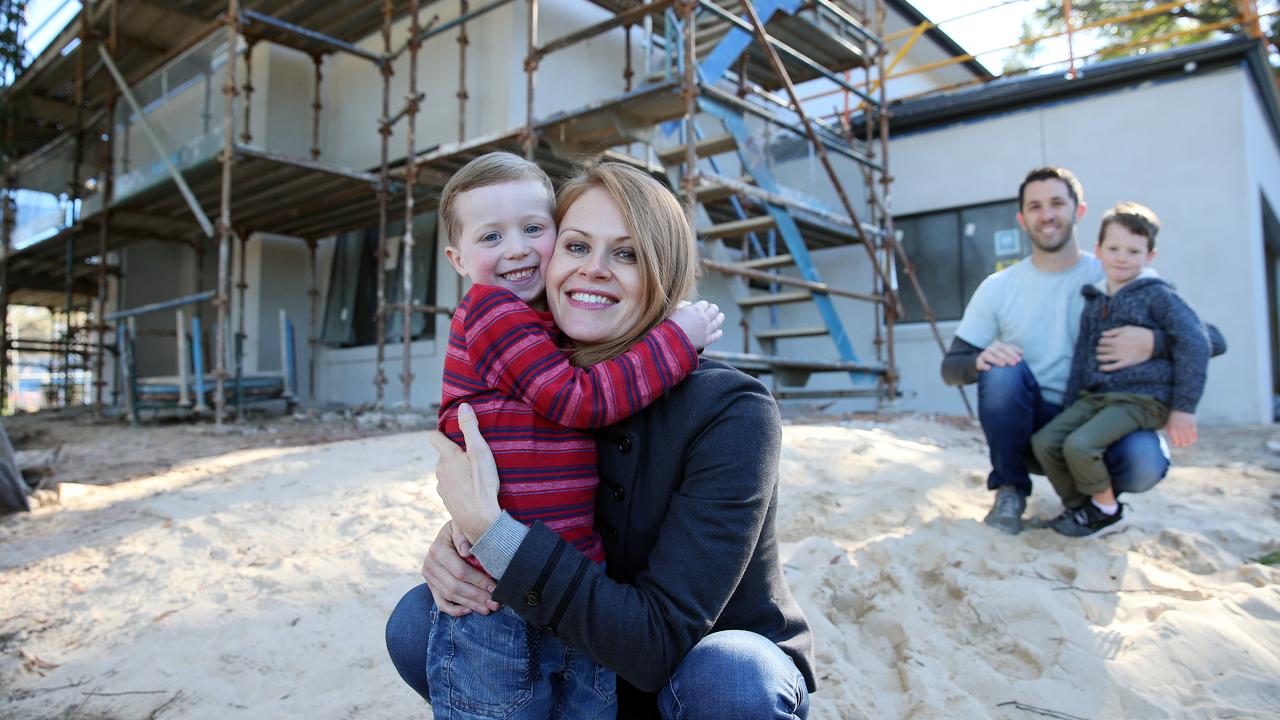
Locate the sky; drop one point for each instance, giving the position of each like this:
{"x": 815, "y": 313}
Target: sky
{"x": 994, "y": 28}
{"x": 45, "y": 19}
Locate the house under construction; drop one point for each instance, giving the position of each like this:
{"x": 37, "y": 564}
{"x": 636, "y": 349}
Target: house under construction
{"x": 245, "y": 166}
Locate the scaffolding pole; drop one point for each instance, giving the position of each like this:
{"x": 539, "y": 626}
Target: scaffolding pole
{"x": 1071, "y": 48}
{"x": 242, "y": 285}
{"x": 77, "y": 188}
{"x": 313, "y": 294}
{"x": 384, "y": 134}
{"x": 463, "y": 41}
{"x": 9, "y": 209}
{"x": 246, "y": 133}
{"x": 108, "y": 192}
{"x": 885, "y": 209}
{"x": 316, "y": 106}
{"x": 531, "y": 70}
{"x": 223, "y": 298}
{"x": 411, "y": 181}
{"x": 689, "y": 93}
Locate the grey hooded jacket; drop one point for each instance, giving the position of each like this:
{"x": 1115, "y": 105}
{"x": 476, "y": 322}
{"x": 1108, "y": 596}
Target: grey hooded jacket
{"x": 1150, "y": 302}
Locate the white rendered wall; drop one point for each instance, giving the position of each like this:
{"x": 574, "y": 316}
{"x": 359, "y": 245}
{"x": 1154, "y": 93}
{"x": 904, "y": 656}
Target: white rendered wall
{"x": 495, "y": 83}
{"x": 1263, "y": 161}
{"x": 154, "y": 272}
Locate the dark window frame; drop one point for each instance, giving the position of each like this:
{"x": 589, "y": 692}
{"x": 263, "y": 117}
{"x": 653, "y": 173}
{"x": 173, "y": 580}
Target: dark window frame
{"x": 948, "y": 286}
{"x": 353, "y": 285}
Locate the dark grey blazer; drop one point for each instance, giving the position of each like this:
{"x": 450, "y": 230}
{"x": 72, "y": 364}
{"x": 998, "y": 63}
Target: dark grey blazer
{"x": 687, "y": 508}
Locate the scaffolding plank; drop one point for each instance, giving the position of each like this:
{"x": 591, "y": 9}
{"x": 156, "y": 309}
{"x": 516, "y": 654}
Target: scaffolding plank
{"x": 705, "y": 148}
{"x": 781, "y": 298}
{"x": 738, "y": 228}
{"x": 790, "y": 332}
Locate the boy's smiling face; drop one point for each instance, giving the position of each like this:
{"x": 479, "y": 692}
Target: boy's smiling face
{"x": 1123, "y": 254}
{"x": 507, "y": 235}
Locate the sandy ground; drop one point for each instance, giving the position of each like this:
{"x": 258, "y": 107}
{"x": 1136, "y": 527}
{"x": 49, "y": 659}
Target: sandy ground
{"x": 188, "y": 573}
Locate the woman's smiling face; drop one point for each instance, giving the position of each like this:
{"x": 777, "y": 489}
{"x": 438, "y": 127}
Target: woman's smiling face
{"x": 595, "y": 288}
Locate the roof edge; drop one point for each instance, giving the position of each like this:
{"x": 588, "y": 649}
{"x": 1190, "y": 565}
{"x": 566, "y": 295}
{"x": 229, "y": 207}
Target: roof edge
{"x": 1005, "y": 95}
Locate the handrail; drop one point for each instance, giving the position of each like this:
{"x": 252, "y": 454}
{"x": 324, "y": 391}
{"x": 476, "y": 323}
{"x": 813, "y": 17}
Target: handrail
{"x": 787, "y": 50}
{"x": 163, "y": 305}
{"x": 431, "y": 30}
{"x": 852, "y": 22}
{"x": 254, "y": 16}
{"x": 623, "y": 18}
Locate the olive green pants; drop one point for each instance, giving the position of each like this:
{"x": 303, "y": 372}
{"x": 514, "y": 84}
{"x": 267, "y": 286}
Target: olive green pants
{"x": 1071, "y": 447}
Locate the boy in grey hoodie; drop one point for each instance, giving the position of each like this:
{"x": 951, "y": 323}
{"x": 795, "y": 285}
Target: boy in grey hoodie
{"x": 1104, "y": 407}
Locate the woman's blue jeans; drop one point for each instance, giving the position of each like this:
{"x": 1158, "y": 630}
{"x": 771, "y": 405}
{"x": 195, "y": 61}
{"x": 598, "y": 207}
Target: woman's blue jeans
{"x": 1011, "y": 410}
{"x": 729, "y": 674}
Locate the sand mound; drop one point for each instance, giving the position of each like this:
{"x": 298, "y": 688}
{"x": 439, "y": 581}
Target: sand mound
{"x": 256, "y": 584}
{"x": 923, "y": 612}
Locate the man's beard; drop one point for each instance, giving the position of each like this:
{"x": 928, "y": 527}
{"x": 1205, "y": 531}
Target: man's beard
{"x": 1052, "y": 245}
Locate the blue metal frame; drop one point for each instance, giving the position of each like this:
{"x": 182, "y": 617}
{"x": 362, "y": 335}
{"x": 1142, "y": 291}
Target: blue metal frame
{"x": 755, "y": 162}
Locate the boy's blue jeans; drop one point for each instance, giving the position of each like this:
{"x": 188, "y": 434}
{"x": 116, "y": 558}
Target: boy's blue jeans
{"x": 1011, "y": 410}
{"x": 480, "y": 667}
{"x": 732, "y": 673}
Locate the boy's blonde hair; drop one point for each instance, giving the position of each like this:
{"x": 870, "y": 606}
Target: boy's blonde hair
{"x": 1137, "y": 219}
{"x": 489, "y": 169}
{"x": 665, "y": 246}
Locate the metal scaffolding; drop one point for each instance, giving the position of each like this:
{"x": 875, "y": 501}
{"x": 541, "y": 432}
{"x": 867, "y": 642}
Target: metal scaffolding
{"x": 724, "y": 64}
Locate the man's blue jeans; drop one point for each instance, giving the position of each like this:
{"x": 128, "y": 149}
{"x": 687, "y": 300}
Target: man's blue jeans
{"x": 729, "y": 674}
{"x": 1011, "y": 410}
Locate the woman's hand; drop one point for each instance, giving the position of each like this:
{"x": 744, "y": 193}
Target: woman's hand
{"x": 458, "y": 588}
{"x": 467, "y": 482}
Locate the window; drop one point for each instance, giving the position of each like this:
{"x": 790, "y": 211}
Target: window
{"x": 953, "y": 251}
{"x": 352, "y": 302}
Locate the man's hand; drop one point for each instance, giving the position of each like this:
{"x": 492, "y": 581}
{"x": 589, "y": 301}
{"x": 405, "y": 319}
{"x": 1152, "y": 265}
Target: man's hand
{"x": 458, "y": 588}
{"x": 1181, "y": 428}
{"x": 1124, "y": 347}
{"x": 998, "y": 354}
{"x": 467, "y": 481}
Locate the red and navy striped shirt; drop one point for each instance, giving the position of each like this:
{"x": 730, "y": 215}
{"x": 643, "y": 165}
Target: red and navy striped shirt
{"x": 533, "y": 406}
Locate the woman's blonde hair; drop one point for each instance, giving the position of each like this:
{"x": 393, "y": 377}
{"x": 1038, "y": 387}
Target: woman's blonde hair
{"x": 666, "y": 250}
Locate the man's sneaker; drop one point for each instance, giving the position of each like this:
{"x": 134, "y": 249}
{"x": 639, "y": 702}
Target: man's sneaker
{"x": 1006, "y": 512}
{"x": 1085, "y": 520}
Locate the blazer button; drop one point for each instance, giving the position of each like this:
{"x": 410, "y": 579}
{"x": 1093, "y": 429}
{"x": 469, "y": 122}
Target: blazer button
{"x": 531, "y": 598}
{"x": 617, "y": 492}
{"x": 611, "y": 535}
{"x": 624, "y": 445}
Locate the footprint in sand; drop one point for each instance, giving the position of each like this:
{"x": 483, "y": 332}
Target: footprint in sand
{"x": 1184, "y": 551}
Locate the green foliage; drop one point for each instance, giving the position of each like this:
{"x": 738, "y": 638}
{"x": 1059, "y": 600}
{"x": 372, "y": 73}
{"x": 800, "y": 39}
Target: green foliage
{"x": 1271, "y": 558}
{"x": 12, "y": 53}
{"x": 13, "y": 57}
{"x": 1122, "y": 39}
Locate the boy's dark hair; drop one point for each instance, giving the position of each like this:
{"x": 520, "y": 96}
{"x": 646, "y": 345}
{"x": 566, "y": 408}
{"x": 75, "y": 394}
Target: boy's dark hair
{"x": 1137, "y": 219}
{"x": 1052, "y": 173}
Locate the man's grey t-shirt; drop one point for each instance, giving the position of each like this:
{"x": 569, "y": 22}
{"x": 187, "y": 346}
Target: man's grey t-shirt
{"x": 1037, "y": 311}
